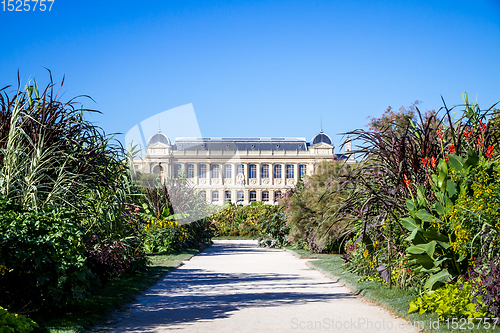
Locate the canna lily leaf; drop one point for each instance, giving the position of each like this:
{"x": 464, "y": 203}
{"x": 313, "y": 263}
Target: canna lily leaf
{"x": 436, "y": 280}
{"x": 435, "y": 235}
{"x": 426, "y": 261}
{"x": 409, "y": 223}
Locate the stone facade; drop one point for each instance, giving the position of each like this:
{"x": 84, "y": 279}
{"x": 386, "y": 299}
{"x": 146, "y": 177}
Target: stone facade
{"x": 240, "y": 170}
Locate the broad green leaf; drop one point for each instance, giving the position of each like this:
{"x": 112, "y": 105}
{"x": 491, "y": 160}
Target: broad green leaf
{"x": 456, "y": 162}
{"x": 416, "y": 249}
{"x": 409, "y": 223}
{"x": 411, "y": 206}
{"x": 439, "y": 208}
{"x": 426, "y": 261}
{"x": 430, "y": 248}
{"x": 451, "y": 188}
{"x": 416, "y": 237}
{"x": 472, "y": 159}
{"x": 424, "y": 215}
{"x": 437, "y": 279}
{"x": 435, "y": 235}
{"x": 413, "y": 307}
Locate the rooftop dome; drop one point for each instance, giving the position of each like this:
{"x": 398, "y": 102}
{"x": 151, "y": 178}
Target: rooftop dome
{"x": 159, "y": 137}
{"x": 321, "y": 137}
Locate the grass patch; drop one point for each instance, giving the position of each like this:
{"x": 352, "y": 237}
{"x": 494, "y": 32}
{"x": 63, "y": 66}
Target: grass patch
{"x": 395, "y": 300}
{"x": 114, "y": 295}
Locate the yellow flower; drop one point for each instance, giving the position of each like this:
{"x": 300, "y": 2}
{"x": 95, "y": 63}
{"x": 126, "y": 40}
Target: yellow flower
{"x": 365, "y": 253}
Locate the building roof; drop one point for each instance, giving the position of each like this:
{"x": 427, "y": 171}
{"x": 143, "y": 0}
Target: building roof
{"x": 321, "y": 137}
{"x": 240, "y": 144}
{"x": 159, "y": 137}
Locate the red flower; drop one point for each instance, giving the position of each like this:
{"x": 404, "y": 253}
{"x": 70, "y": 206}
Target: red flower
{"x": 440, "y": 134}
{"x": 482, "y": 126}
{"x": 451, "y": 149}
{"x": 480, "y": 142}
{"x": 467, "y": 133}
{"x": 433, "y": 162}
{"x": 446, "y": 157}
{"x": 424, "y": 161}
{"x": 407, "y": 181}
{"x": 489, "y": 152}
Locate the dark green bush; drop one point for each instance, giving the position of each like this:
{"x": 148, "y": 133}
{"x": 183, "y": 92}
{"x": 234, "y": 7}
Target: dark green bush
{"x": 41, "y": 258}
{"x": 274, "y": 230}
{"x": 11, "y": 322}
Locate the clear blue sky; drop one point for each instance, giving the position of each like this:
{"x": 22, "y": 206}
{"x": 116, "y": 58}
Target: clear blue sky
{"x": 258, "y": 68}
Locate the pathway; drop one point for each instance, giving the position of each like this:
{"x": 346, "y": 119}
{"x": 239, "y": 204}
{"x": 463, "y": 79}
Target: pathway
{"x": 234, "y": 286}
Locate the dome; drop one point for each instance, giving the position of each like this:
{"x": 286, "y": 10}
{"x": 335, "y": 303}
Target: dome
{"x": 321, "y": 137}
{"x": 159, "y": 137}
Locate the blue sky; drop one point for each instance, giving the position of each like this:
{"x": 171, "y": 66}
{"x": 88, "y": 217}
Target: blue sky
{"x": 258, "y": 68}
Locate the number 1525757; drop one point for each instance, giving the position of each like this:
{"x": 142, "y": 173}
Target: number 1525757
{"x": 26, "y": 5}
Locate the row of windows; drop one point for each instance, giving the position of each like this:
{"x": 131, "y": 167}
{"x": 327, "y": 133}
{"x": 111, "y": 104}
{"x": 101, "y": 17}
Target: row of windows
{"x": 240, "y": 195}
{"x": 240, "y": 168}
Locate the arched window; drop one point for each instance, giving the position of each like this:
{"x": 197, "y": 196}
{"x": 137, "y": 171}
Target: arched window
{"x": 215, "y": 196}
{"x": 227, "y": 196}
{"x": 253, "y": 195}
{"x": 252, "y": 171}
{"x": 240, "y": 196}
{"x": 289, "y": 171}
{"x": 264, "y": 173}
{"x": 203, "y": 194}
{"x": 190, "y": 171}
{"x": 265, "y": 196}
{"x": 177, "y": 170}
{"x": 227, "y": 171}
{"x": 202, "y": 170}
{"x": 277, "y": 195}
{"x": 277, "y": 171}
{"x": 302, "y": 170}
{"x": 240, "y": 168}
{"x": 215, "y": 171}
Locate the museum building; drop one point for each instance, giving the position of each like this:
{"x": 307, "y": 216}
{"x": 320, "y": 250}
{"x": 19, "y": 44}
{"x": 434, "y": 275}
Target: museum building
{"x": 240, "y": 170}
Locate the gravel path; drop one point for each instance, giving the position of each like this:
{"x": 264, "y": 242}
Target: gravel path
{"x": 234, "y": 286}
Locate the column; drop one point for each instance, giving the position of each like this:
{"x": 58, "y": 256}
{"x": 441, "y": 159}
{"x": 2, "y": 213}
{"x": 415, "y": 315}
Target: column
{"x": 296, "y": 172}
{"x": 259, "y": 195}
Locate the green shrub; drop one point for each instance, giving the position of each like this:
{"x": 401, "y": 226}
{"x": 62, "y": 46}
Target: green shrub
{"x": 274, "y": 230}
{"x": 450, "y": 301}
{"x": 42, "y": 259}
{"x": 11, "y": 322}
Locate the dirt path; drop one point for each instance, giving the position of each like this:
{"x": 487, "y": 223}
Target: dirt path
{"x": 234, "y": 286}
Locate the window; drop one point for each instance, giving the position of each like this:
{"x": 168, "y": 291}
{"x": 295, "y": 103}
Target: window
{"x": 264, "y": 171}
{"x": 240, "y": 168}
{"x": 253, "y": 195}
{"x": 289, "y": 171}
{"x": 239, "y": 196}
{"x": 190, "y": 171}
{"x": 277, "y": 195}
{"x": 265, "y": 195}
{"x": 136, "y": 166}
{"x": 215, "y": 196}
{"x": 177, "y": 170}
{"x": 203, "y": 194}
{"x": 227, "y": 170}
{"x": 252, "y": 171}
{"x": 227, "y": 196}
{"x": 302, "y": 170}
{"x": 202, "y": 170}
{"x": 215, "y": 171}
{"x": 277, "y": 171}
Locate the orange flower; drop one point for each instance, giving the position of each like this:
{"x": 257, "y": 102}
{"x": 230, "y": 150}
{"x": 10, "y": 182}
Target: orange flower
{"x": 440, "y": 134}
{"x": 480, "y": 142}
{"x": 489, "y": 152}
{"x": 433, "y": 162}
{"x": 446, "y": 157}
{"x": 407, "y": 181}
{"x": 467, "y": 133}
{"x": 451, "y": 149}
{"x": 482, "y": 126}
